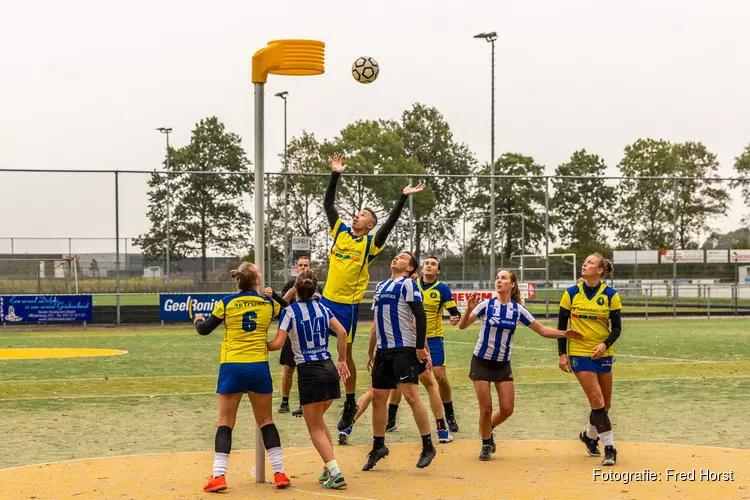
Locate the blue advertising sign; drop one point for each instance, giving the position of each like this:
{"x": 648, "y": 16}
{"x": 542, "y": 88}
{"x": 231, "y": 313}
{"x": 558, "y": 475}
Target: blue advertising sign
{"x": 183, "y": 306}
{"x": 45, "y": 308}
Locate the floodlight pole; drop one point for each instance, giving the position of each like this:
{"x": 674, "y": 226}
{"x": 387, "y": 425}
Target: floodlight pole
{"x": 166, "y": 131}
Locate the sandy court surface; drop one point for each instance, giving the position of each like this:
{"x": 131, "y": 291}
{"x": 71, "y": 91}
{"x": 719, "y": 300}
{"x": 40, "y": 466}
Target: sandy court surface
{"x": 55, "y": 352}
{"x": 520, "y": 469}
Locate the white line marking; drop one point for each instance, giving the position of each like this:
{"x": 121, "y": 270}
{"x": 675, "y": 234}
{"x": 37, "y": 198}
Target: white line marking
{"x": 108, "y": 396}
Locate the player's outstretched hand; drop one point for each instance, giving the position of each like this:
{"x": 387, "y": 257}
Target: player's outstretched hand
{"x": 599, "y": 351}
{"x": 564, "y": 363}
{"x": 473, "y": 301}
{"x": 343, "y": 370}
{"x": 409, "y": 190}
{"x": 198, "y": 317}
{"x": 572, "y": 334}
{"x": 337, "y": 163}
{"x": 267, "y": 292}
{"x": 455, "y": 320}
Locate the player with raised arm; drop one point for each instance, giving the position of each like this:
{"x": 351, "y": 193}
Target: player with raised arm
{"x": 436, "y": 297}
{"x": 593, "y": 309}
{"x": 491, "y": 361}
{"x": 352, "y": 251}
{"x": 400, "y": 330}
{"x": 244, "y": 369}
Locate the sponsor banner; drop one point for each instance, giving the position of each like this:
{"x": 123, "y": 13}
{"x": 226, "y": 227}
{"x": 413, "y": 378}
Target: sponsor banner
{"x": 45, "y": 308}
{"x": 635, "y": 257}
{"x": 301, "y": 243}
{"x": 682, "y": 257}
{"x": 528, "y": 291}
{"x": 739, "y": 256}
{"x": 184, "y": 306}
{"x": 717, "y": 256}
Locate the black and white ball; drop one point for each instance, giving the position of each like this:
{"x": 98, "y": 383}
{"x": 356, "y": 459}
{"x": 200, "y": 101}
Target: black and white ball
{"x": 365, "y": 70}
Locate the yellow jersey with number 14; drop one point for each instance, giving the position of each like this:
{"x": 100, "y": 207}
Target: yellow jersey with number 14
{"x": 436, "y": 297}
{"x": 590, "y": 317}
{"x": 349, "y": 263}
{"x": 247, "y": 317}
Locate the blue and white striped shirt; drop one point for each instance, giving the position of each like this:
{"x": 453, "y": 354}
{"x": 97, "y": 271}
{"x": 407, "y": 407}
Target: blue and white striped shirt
{"x": 497, "y": 327}
{"x": 307, "y": 325}
{"x": 394, "y": 321}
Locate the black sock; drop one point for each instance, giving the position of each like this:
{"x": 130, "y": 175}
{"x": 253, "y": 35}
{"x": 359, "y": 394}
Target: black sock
{"x": 350, "y": 398}
{"x": 448, "y": 407}
{"x": 427, "y": 441}
{"x": 441, "y": 424}
{"x": 600, "y": 420}
{"x": 392, "y": 410}
{"x": 223, "y": 442}
{"x": 378, "y": 442}
{"x": 271, "y": 437}
{"x": 285, "y": 399}
{"x": 487, "y": 441}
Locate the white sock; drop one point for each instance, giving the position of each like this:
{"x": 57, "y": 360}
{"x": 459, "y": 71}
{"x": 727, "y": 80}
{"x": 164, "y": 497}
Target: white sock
{"x": 274, "y": 456}
{"x": 220, "y": 464}
{"x": 607, "y": 438}
{"x": 333, "y": 468}
{"x": 591, "y": 431}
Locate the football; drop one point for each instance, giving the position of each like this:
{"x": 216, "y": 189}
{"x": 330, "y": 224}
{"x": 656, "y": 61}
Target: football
{"x": 365, "y": 70}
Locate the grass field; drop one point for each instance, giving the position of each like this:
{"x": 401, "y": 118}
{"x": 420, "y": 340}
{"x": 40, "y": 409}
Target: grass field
{"x": 677, "y": 381}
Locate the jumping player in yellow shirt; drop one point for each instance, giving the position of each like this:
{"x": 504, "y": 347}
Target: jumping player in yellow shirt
{"x": 593, "y": 309}
{"x": 244, "y": 368}
{"x": 352, "y": 251}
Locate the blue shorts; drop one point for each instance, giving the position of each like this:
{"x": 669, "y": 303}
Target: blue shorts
{"x": 245, "y": 377}
{"x": 437, "y": 350}
{"x": 346, "y": 314}
{"x": 586, "y": 364}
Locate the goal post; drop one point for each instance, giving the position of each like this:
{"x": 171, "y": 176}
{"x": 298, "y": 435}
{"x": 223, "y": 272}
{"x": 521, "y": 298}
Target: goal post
{"x": 22, "y": 275}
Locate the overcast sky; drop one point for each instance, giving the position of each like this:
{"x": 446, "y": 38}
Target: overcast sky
{"x": 84, "y": 84}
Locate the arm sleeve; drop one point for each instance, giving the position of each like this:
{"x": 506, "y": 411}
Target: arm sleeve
{"x": 562, "y": 324}
{"x": 446, "y": 297}
{"x": 209, "y": 325}
{"x": 387, "y": 226}
{"x": 453, "y": 311}
{"x": 331, "y": 212}
{"x": 280, "y": 301}
{"x": 287, "y": 286}
{"x": 616, "y": 327}
{"x": 420, "y": 318}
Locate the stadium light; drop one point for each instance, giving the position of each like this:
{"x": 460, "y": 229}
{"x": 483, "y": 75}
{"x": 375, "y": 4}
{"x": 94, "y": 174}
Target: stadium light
{"x": 166, "y": 131}
{"x": 279, "y": 57}
{"x": 491, "y": 37}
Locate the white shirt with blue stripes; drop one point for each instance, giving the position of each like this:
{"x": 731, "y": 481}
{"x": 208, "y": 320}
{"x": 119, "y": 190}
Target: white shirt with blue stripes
{"x": 498, "y": 324}
{"x": 307, "y": 325}
{"x": 394, "y": 320}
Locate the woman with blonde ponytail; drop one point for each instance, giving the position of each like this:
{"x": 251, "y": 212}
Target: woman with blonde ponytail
{"x": 491, "y": 361}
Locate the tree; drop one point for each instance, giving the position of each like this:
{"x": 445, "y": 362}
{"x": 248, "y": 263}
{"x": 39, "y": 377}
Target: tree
{"x": 524, "y": 195}
{"x": 739, "y": 238}
{"x": 647, "y": 206}
{"x": 428, "y": 140}
{"x": 582, "y": 208}
{"x": 742, "y": 166}
{"x": 207, "y": 210}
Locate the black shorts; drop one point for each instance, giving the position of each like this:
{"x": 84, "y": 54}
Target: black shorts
{"x": 287, "y": 355}
{"x": 398, "y": 365}
{"x": 490, "y": 371}
{"x": 317, "y": 381}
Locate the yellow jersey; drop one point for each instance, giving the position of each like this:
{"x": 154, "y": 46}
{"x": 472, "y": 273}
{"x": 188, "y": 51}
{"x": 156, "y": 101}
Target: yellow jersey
{"x": 590, "y": 317}
{"x": 349, "y": 262}
{"x": 247, "y": 317}
{"x": 436, "y": 297}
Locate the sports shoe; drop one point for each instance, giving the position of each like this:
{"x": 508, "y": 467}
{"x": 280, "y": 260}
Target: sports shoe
{"x": 610, "y": 455}
{"x": 391, "y": 425}
{"x": 374, "y": 457}
{"x": 486, "y": 454}
{"x": 347, "y": 415}
{"x": 444, "y": 436}
{"x": 344, "y": 436}
{"x": 297, "y": 412}
{"x": 452, "y": 424}
{"x": 592, "y": 445}
{"x": 214, "y": 484}
{"x": 336, "y": 482}
{"x": 325, "y": 475}
{"x": 492, "y": 442}
{"x": 425, "y": 458}
{"x": 284, "y": 407}
{"x": 281, "y": 480}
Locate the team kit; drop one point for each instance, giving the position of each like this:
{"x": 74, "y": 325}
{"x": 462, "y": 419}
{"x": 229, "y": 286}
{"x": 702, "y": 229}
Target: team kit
{"x": 405, "y": 348}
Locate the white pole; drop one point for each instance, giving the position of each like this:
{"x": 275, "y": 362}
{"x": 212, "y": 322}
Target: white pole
{"x": 260, "y": 452}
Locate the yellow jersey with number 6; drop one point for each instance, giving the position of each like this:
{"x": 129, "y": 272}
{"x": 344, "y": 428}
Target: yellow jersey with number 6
{"x": 590, "y": 317}
{"x": 247, "y": 317}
